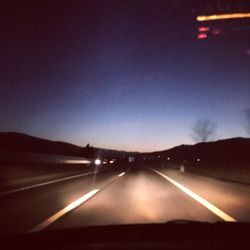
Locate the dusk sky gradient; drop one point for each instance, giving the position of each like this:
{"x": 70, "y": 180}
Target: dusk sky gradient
{"x": 128, "y": 75}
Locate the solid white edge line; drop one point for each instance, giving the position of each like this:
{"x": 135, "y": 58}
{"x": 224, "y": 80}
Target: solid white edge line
{"x": 67, "y": 209}
{"x": 44, "y": 183}
{"x": 64, "y": 211}
{"x": 224, "y": 216}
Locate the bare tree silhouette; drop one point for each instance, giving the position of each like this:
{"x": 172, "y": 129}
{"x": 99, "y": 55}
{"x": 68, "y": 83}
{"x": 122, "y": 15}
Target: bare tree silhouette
{"x": 203, "y": 130}
{"x": 247, "y": 127}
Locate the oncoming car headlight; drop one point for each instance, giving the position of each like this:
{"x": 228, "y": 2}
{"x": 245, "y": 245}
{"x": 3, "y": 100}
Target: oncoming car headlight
{"x": 97, "y": 162}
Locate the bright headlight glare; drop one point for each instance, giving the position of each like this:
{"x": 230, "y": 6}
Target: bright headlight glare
{"x": 97, "y": 162}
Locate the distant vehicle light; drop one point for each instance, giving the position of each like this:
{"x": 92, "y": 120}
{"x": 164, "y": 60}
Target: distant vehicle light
{"x": 131, "y": 159}
{"x": 216, "y": 31}
{"x": 111, "y": 161}
{"x": 168, "y": 158}
{"x": 203, "y": 29}
{"x": 202, "y": 36}
{"x": 97, "y": 162}
{"x": 198, "y": 159}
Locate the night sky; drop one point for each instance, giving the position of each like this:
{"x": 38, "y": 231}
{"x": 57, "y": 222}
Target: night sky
{"x": 117, "y": 74}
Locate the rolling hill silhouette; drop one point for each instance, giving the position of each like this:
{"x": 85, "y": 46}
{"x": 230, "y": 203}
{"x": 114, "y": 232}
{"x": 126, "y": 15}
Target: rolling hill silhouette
{"x": 18, "y": 142}
{"x": 233, "y": 149}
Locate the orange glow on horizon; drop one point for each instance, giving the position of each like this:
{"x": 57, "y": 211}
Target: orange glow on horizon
{"x": 222, "y": 16}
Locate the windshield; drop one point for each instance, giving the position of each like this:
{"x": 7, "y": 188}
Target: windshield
{"x": 122, "y": 112}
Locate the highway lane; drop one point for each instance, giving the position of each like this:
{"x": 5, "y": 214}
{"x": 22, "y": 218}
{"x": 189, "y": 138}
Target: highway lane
{"x": 27, "y": 186}
{"x": 17, "y": 176}
{"x": 117, "y": 197}
{"x": 21, "y": 211}
{"x": 145, "y": 197}
{"x": 233, "y": 198}
{"x": 139, "y": 197}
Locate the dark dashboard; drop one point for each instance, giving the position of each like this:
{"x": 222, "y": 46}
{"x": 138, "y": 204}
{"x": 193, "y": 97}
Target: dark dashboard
{"x": 171, "y": 235}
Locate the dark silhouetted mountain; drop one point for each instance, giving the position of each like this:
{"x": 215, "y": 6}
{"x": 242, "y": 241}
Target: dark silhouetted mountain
{"x": 17, "y": 142}
{"x": 234, "y": 149}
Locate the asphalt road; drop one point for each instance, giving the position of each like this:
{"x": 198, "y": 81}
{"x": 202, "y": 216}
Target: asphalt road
{"x": 123, "y": 196}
